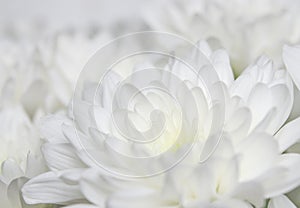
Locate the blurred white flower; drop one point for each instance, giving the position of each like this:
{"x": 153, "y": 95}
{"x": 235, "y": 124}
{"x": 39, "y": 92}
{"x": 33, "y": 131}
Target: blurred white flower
{"x": 20, "y": 155}
{"x": 21, "y": 96}
{"x": 37, "y": 78}
{"x": 248, "y": 167}
{"x": 18, "y": 134}
{"x": 41, "y": 74}
{"x": 247, "y": 29}
{"x": 13, "y": 177}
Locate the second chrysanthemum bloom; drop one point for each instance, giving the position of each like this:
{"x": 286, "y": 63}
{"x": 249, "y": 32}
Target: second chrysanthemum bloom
{"x": 253, "y": 108}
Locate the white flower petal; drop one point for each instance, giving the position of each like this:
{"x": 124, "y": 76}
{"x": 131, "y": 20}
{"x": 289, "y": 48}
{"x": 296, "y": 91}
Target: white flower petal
{"x": 10, "y": 171}
{"x": 288, "y": 135}
{"x": 61, "y": 157}
{"x": 35, "y": 165}
{"x": 291, "y": 58}
{"x": 13, "y": 192}
{"x": 284, "y": 177}
{"x": 94, "y": 188}
{"x": 49, "y": 188}
{"x": 50, "y": 127}
{"x": 280, "y": 202}
{"x": 221, "y": 63}
{"x": 251, "y": 150}
{"x": 4, "y": 202}
{"x": 231, "y": 203}
{"x": 251, "y": 191}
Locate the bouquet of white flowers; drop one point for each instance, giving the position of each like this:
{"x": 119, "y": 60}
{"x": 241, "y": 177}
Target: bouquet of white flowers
{"x": 196, "y": 104}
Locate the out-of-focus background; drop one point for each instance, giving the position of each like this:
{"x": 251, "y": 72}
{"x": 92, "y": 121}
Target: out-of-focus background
{"x": 61, "y": 14}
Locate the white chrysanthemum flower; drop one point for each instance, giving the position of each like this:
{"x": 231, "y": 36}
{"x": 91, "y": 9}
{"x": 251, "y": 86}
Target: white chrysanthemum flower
{"x": 248, "y": 167}
{"x": 41, "y": 75}
{"x": 20, "y": 156}
{"x": 291, "y": 57}
{"x": 21, "y": 96}
{"x": 18, "y": 134}
{"x": 65, "y": 56}
{"x": 37, "y": 77}
{"x": 13, "y": 177}
{"x": 246, "y": 28}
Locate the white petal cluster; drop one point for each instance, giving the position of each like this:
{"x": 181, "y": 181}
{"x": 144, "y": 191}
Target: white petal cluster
{"x": 37, "y": 78}
{"x": 248, "y": 167}
{"x": 247, "y": 29}
{"x": 239, "y": 149}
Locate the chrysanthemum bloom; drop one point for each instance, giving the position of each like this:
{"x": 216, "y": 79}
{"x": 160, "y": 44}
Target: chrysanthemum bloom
{"x": 20, "y": 156}
{"x": 248, "y": 166}
{"x": 246, "y": 29}
{"x": 34, "y": 81}
{"x": 291, "y": 56}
